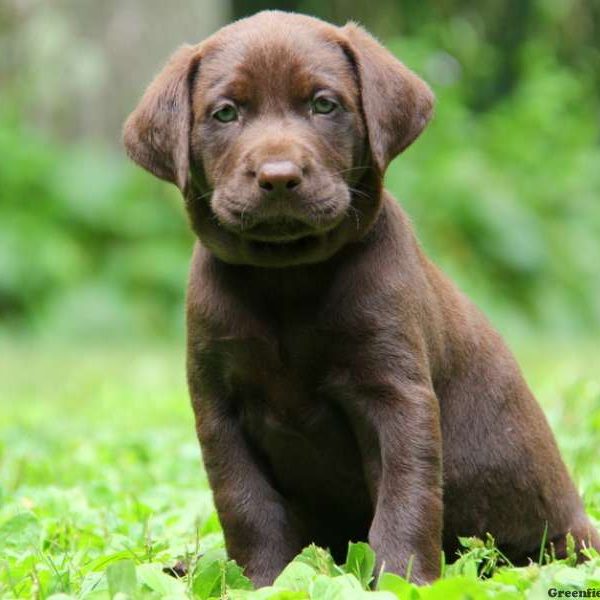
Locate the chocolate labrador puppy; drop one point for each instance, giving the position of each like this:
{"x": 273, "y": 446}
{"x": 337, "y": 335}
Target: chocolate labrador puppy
{"x": 343, "y": 388}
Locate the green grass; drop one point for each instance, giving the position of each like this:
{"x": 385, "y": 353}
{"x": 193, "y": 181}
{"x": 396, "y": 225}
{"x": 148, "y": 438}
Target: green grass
{"x": 101, "y": 485}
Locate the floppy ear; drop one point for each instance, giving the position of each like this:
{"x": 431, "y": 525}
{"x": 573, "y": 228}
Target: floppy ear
{"x": 156, "y": 134}
{"x": 397, "y": 104}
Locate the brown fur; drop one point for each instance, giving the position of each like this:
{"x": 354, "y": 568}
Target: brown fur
{"x": 343, "y": 388}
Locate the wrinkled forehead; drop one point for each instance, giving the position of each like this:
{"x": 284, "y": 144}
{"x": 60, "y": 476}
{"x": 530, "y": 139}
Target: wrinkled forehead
{"x": 262, "y": 62}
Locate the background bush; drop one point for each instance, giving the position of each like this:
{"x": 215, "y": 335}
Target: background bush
{"x": 503, "y": 187}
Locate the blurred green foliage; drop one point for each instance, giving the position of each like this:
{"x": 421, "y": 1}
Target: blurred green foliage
{"x": 503, "y": 187}
{"x": 506, "y": 200}
{"x": 90, "y": 245}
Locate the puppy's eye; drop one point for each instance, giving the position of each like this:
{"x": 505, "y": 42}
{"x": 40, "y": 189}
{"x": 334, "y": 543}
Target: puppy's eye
{"x": 322, "y": 105}
{"x": 226, "y": 113}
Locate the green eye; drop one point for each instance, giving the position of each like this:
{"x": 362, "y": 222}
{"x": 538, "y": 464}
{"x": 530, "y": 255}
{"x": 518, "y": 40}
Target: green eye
{"x": 226, "y": 114}
{"x": 323, "y": 106}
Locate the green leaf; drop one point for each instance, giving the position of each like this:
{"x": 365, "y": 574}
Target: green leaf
{"x": 213, "y": 575}
{"x": 570, "y": 576}
{"x": 94, "y": 587}
{"x": 519, "y": 578}
{"x": 296, "y": 576}
{"x": 21, "y": 532}
{"x": 103, "y": 561}
{"x": 459, "y": 588}
{"x": 343, "y": 587}
{"x": 320, "y": 560}
{"x": 266, "y": 593}
{"x": 360, "y": 562}
{"x": 121, "y": 577}
{"x": 207, "y": 580}
{"x": 151, "y": 576}
{"x": 389, "y": 582}
{"x": 235, "y": 578}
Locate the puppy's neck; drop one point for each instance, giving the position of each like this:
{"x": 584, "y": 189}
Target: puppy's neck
{"x": 309, "y": 283}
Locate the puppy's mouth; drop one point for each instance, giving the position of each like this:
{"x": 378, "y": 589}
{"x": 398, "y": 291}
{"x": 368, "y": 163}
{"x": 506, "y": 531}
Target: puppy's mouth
{"x": 278, "y": 231}
{"x": 282, "y": 236}
{"x": 289, "y": 247}
{"x": 284, "y": 241}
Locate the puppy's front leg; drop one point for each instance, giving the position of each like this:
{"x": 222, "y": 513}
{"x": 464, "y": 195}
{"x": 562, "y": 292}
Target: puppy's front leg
{"x": 402, "y": 452}
{"x": 258, "y": 528}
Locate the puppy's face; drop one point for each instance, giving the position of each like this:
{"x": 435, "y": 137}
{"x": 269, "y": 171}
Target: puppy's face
{"x": 278, "y": 133}
{"x": 278, "y": 129}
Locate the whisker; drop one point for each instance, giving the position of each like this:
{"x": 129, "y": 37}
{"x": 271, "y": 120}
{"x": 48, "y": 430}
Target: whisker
{"x": 359, "y": 192}
{"x": 357, "y": 168}
{"x": 202, "y": 196}
{"x": 243, "y": 214}
{"x": 356, "y": 214}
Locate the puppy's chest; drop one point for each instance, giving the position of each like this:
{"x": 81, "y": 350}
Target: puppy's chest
{"x": 276, "y": 382}
{"x": 292, "y": 415}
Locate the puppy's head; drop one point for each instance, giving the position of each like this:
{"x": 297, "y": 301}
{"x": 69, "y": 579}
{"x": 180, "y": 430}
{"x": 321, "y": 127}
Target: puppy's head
{"x": 277, "y": 130}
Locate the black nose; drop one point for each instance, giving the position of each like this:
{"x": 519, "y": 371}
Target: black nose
{"x": 278, "y": 176}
